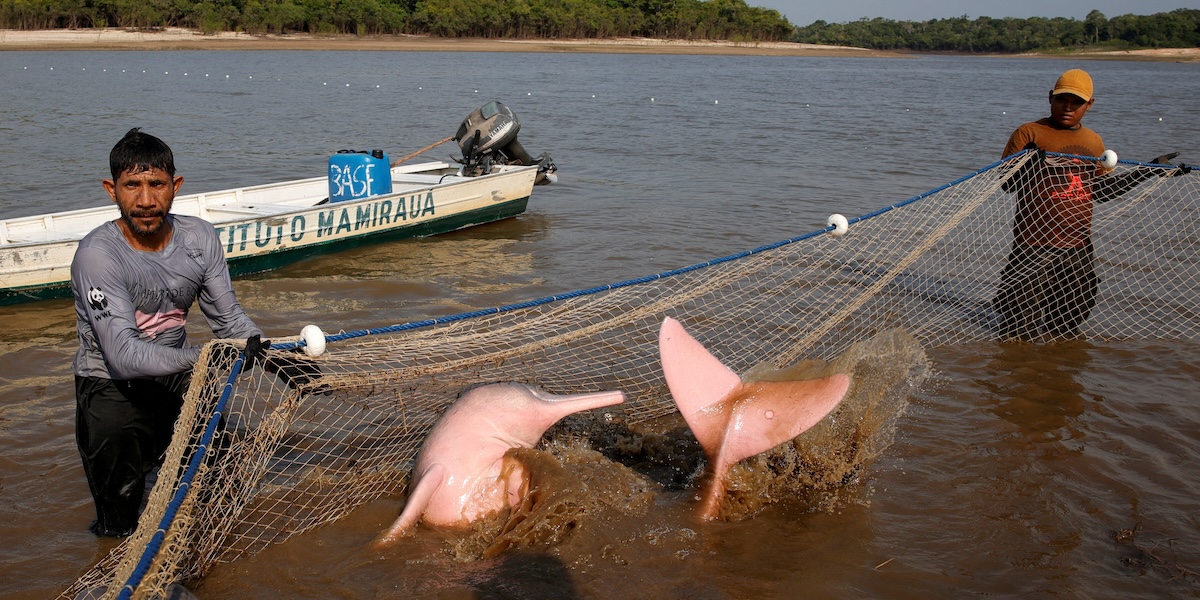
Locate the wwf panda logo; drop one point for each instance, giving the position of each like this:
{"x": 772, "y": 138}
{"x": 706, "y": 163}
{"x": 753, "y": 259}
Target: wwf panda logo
{"x": 96, "y": 299}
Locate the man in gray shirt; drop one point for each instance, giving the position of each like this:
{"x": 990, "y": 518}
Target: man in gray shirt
{"x": 134, "y": 280}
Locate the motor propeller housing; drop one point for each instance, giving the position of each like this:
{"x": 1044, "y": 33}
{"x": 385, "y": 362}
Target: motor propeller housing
{"x": 488, "y": 139}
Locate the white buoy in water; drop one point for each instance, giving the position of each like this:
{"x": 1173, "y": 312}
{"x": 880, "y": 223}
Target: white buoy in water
{"x": 1109, "y": 159}
{"x": 839, "y": 223}
{"x": 314, "y": 340}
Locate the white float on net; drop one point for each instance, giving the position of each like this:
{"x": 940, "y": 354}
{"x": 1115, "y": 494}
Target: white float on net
{"x": 839, "y": 223}
{"x": 1109, "y": 159}
{"x": 314, "y": 340}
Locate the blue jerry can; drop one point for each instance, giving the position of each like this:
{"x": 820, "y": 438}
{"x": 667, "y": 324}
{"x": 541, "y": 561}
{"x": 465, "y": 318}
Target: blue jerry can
{"x": 354, "y": 175}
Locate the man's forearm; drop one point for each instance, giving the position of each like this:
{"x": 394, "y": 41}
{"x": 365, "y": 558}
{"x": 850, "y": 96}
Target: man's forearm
{"x": 1113, "y": 186}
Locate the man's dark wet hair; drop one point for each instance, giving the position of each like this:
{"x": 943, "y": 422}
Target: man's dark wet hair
{"x": 137, "y": 152}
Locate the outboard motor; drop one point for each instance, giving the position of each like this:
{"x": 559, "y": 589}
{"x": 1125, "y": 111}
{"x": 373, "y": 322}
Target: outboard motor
{"x": 488, "y": 139}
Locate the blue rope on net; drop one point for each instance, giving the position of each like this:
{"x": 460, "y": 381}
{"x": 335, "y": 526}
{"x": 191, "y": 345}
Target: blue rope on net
{"x": 150, "y": 552}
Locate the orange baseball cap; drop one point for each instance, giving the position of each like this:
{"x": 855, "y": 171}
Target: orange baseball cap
{"x": 1075, "y": 82}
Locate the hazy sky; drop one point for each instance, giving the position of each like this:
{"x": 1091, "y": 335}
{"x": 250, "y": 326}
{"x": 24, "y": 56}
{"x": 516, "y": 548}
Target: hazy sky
{"x": 804, "y": 12}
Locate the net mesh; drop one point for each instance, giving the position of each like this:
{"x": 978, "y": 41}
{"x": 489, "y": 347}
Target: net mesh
{"x": 287, "y": 459}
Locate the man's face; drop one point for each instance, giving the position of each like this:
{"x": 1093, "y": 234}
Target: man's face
{"x": 144, "y": 198}
{"x": 1067, "y": 110}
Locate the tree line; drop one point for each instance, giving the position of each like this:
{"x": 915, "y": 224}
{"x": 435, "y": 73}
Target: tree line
{"x": 521, "y": 19}
{"x": 666, "y": 19}
{"x": 1176, "y": 29}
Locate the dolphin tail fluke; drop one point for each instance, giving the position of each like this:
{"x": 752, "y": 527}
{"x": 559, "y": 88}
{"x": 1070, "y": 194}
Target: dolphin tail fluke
{"x": 418, "y": 500}
{"x": 733, "y": 420}
{"x": 772, "y": 413}
{"x": 767, "y": 415}
{"x": 698, "y": 383}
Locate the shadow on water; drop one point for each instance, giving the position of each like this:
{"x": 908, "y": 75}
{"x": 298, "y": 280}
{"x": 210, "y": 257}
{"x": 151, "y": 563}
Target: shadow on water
{"x": 517, "y": 575}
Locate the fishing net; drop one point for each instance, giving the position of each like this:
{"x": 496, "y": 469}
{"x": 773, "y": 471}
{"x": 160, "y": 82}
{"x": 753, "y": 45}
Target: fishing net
{"x": 264, "y": 459}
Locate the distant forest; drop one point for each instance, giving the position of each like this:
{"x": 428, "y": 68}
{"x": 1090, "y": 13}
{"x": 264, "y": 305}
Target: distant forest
{"x": 665, "y": 19}
{"x": 1176, "y": 29}
{"x": 520, "y": 19}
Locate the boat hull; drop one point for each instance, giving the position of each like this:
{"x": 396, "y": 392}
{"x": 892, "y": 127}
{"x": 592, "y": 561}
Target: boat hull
{"x": 259, "y": 263}
{"x": 260, "y": 233}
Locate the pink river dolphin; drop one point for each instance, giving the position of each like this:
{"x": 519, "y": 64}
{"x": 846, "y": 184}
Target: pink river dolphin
{"x": 734, "y": 420}
{"x": 460, "y": 473}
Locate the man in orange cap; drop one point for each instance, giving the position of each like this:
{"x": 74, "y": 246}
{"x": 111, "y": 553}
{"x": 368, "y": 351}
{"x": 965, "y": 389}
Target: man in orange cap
{"x": 1049, "y": 284}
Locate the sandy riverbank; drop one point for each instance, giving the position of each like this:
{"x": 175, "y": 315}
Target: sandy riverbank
{"x": 188, "y": 39}
{"x": 1185, "y": 55}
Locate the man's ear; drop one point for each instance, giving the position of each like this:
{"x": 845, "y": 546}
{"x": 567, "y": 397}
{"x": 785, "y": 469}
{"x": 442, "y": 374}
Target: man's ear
{"x": 178, "y": 182}
{"x": 110, "y": 186}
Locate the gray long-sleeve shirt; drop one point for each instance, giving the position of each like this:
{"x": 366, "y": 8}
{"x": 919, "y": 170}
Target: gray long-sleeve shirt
{"x": 131, "y": 306}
